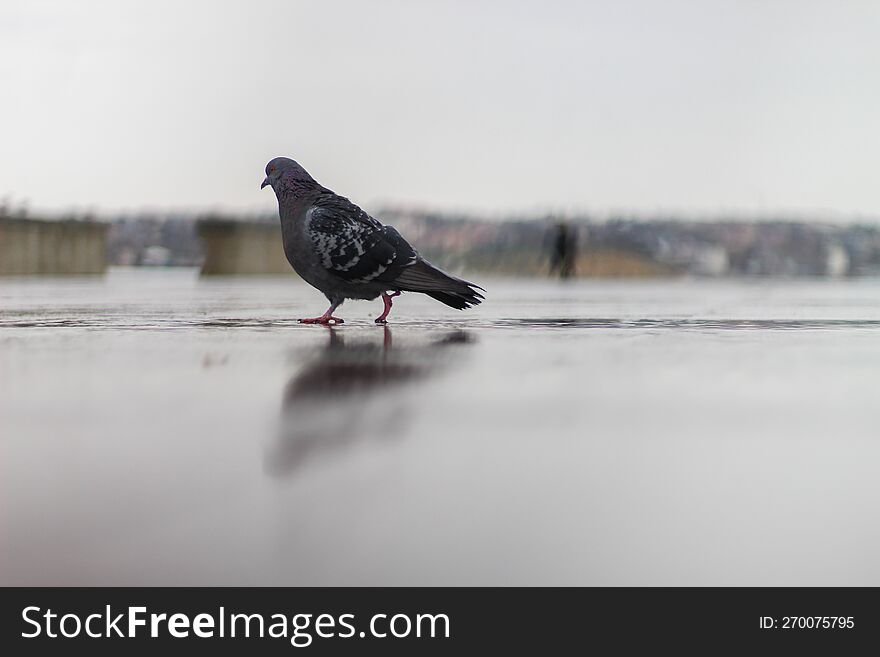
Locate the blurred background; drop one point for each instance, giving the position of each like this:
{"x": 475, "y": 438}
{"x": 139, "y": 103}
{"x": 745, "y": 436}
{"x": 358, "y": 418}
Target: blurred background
{"x": 676, "y": 137}
{"x": 673, "y": 207}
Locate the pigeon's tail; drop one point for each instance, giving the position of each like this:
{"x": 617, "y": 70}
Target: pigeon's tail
{"x": 425, "y": 277}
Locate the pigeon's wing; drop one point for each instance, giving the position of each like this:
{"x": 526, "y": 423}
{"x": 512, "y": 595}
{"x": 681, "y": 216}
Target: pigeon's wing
{"x": 354, "y": 246}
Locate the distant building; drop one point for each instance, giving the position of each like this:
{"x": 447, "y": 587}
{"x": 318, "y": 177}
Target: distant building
{"x": 156, "y": 256}
{"x": 711, "y": 260}
{"x": 836, "y": 261}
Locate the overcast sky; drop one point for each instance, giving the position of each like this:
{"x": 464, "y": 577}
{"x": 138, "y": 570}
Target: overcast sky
{"x": 698, "y": 106}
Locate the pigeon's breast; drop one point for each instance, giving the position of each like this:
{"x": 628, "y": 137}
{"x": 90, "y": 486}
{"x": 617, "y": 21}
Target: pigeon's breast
{"x": 298, "y": 249}
{"x": 307, "y": 252}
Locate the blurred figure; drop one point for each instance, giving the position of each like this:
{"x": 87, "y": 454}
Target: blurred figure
{"x": 563, "y": 253}
{"x": 349, "y": 393}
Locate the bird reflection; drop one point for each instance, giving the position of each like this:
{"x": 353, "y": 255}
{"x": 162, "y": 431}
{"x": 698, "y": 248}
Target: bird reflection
{"x": 352, "y": 391}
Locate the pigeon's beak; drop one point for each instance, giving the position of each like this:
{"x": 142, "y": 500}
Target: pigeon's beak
{"x": 265, "y": 182}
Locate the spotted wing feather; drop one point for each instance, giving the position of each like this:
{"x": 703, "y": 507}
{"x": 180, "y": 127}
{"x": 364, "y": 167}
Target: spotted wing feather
{"x": 354, "y": 246}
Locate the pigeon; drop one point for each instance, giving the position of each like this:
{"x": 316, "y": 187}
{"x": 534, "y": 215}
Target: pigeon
{"x": 345, "y": 253}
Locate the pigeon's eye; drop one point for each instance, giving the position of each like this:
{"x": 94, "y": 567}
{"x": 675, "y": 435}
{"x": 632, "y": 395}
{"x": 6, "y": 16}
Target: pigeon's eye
{"x": 271, "y": 169}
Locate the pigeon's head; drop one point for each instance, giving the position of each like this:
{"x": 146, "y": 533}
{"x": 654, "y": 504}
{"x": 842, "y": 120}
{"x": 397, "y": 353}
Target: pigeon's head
{"x": 286, "y": 168}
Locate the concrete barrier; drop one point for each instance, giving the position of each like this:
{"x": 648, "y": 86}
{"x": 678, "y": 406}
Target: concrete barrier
{"x": 34, "y": 246}
{"x": 237, "y": 247}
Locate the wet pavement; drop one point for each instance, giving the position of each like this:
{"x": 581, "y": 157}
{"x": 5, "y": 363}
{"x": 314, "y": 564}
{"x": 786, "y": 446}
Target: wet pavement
{"x": 157, "y": 428}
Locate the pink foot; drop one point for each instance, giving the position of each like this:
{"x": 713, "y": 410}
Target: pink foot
{"x": 323, "y": 319}
{"x": 387, "y": 299}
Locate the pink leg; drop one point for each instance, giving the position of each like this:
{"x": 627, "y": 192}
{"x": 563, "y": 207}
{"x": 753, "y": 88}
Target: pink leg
{"x": 387, "y": 299}
{"x": 326, "y": 318}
